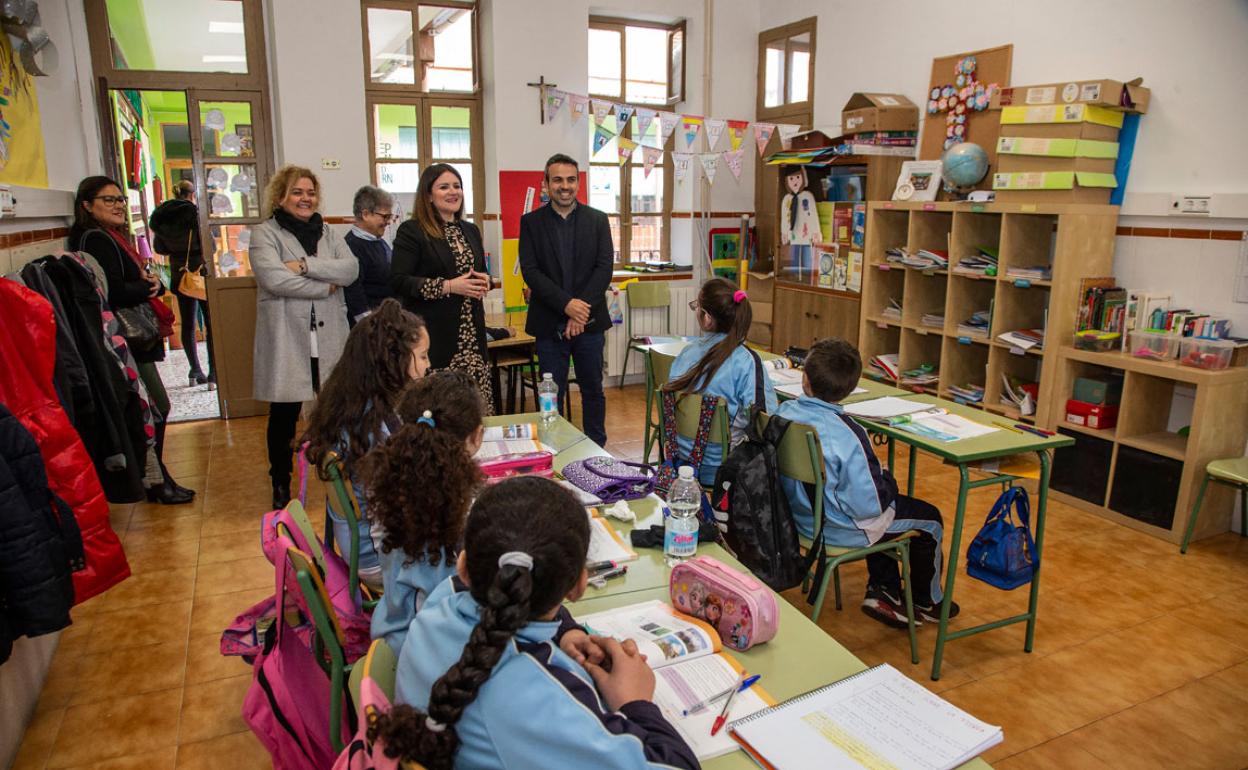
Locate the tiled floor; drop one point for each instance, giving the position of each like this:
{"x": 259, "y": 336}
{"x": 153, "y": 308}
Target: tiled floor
{"x": 1141, "y": 656}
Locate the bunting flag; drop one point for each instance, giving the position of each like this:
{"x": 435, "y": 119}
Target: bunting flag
{"x": 762, "y": 135}
{"x": 787, "y": 130}
{"x": 644, "y": 118}
{"x": 554, "y": 100}
{"x": 625, "y": 147}
{"x": 735, "y": 160}
{"x": 578, "y": 105}
{"x": 623, "y": 113}
{"x": 602, "y": 135}
{"x": 680, "y": 165}
{"x": 710, "y": 163}
{"x": 601, "y": 109}
{"x": 714, "y": 130}
{"x": 667, "y": 124}
{"x": 736, "y": 132}
{"x": 689, "y": 127}
{"x": 650, "y": 156}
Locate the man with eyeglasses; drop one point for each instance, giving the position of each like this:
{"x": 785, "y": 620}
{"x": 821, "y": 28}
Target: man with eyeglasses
{"x": 372, "y": 209}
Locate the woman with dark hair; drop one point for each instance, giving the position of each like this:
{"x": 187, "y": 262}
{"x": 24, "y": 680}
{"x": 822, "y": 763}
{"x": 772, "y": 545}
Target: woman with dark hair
{"x": 100, "y": 229}
{"x": 175, "y": 229}
{"x": 438, "y": 271}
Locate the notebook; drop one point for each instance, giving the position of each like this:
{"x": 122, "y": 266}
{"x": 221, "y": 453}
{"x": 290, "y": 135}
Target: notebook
{"x": 885, "y": 406}
{"x": 605, "y": 544}
{"x": 875, "y": 719}
{"x": 688, "y": 667}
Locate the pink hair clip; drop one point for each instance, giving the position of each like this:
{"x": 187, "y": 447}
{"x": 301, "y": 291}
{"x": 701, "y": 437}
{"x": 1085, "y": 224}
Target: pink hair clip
{"x": 739, "y": 296}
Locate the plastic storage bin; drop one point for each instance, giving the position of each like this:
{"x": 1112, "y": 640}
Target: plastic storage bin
{"x": 1204, "y": 353}
{"x": 1097, "y": 341}
{"x": 1158, "y": 346}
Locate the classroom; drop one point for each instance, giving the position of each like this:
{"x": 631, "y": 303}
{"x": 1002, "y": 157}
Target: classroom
{"x": 623, "y": 383}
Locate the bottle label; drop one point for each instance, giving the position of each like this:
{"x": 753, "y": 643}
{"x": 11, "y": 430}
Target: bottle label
{"x": 676, "y": 543}
{"x": 547, "y": 402}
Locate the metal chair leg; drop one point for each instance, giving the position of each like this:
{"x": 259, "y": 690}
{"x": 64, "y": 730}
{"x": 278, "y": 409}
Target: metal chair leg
{"x": 904, "y": 552}
{"x": 836, "y": 580}
{"x": 1191, "y": 521}
{"x": 1243, "y": 511}
{"x": 823, "y": 590}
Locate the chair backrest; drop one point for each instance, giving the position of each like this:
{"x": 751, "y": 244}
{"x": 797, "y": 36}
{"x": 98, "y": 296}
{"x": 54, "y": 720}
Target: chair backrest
{"x": 649, "y": 294}
{"x": 688, "y": 414}
{"x": 661, "y": 367}
{"x": 381, "y": 665}
{"x": 329, "y": 637}
{"x": 800, "y": 457}
{"x": 349, "y": 507}
{"x": 300, "y": 517}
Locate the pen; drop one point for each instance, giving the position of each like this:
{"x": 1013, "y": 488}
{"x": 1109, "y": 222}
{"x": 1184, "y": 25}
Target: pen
{"x": 599, "y": 566}
{"x": 723, "y": 715}
{"x": 1006, "y": 425}
{"x": 702, "y": 704}
{"x": 616, "y": 572}
{"x": 1034, "y": 431}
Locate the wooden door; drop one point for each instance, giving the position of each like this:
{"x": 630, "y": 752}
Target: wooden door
{"x": 233, "y": 303}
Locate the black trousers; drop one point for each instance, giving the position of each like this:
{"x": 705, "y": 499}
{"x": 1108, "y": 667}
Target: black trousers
{"x": 280, "y": 432}
{"x": 187, "y": 310}
{"x": 925, "y": 554}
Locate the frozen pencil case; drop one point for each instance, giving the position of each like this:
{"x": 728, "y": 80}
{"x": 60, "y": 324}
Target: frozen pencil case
{"x": 740, "y": 608}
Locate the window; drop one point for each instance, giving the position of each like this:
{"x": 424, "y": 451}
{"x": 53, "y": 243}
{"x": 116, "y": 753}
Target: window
{"x": 426, "y": 47}
{"x": 639, "y": 62}
{"x": 786, "y": 67}
{"x": 210, "y": 36}
{"x": 635, "y": 203}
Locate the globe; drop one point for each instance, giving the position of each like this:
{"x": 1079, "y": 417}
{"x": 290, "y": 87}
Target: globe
{"x": 964, "y": 164}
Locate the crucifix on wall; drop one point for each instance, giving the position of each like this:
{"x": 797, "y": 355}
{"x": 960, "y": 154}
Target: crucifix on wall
{"x": 965, "y": 95}
{"x": 959, "y": 97}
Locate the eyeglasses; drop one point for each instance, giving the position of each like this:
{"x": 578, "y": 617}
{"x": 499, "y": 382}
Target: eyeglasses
{"x": 111, "y": 200}
{"x": 387, "y": 218}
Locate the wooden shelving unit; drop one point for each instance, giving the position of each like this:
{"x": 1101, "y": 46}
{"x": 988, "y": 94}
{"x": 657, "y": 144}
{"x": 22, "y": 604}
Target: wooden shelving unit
{"x": 1076, "y": 240}
{"x": 1143, "y": 473}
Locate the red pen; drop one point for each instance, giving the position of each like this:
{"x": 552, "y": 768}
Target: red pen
{"x": 723, "y": 715}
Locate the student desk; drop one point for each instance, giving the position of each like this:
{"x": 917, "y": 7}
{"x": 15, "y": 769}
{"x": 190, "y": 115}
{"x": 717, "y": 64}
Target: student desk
{"x": 802, "y": 657}
{"x": 521, "y": 343}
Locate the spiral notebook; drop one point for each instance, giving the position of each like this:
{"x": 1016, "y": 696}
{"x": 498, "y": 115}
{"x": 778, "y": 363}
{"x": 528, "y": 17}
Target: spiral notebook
{"x": 876, "y": 719}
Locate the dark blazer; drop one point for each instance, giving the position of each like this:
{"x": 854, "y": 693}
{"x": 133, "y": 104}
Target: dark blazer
{"x": 418, "y": 258}
{"x": 539, "y": 262}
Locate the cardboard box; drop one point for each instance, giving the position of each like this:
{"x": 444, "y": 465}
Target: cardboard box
{"x": 811, "y": 140}
{"x": 1099, "y": 417}
{"x": 1102, "y": 391}
{"x": 879, "y": 112}
{"x": 1021, "y": 153}
{"x": 1112, "y": 94}
{"x": 1061, "y": 121}
{"x": 1053, "y": 187}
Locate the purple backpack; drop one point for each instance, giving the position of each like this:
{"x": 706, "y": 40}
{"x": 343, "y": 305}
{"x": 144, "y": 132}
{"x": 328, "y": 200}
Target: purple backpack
{"x": 610, "y": 479}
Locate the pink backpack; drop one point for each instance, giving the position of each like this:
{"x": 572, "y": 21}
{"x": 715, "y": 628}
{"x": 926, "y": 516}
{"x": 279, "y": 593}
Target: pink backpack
{"x": 360, "y": 754}
{"x": 288, "y": 703}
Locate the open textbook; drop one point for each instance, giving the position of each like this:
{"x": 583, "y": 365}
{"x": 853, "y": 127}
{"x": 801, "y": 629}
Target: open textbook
{"x": 515, "y": 439}
{"x": 688, "y": 668}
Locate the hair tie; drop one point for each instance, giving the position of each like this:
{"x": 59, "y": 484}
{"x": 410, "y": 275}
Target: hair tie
{"x": 433, "y": 725}
{"x": 427, "y": 419}
{"x": 515, "y": 559}
{"x": 739, "y": 296}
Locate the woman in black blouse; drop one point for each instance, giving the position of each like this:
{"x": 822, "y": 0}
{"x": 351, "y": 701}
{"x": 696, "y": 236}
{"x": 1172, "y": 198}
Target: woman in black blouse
{"x": 438, "y": 271}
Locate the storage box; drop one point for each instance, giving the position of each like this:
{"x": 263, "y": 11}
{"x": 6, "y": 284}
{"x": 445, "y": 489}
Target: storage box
{"x": 1054, "y": 186}
{"x": 1026, "y": 153}
{"x": 1112, "y": 94}
{"x": 1158, "y": 346}
{"x": 1097, "y": 341}
{"x": 1100, "y": 391}
{"x": 1096, "y": 416}
{"x": 1062, "y": 121}
{"x": 1204, "y": 353}
{"x": 879, "y": 112}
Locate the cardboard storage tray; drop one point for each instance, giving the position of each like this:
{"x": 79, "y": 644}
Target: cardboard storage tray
{"x": 1130, "y": 96}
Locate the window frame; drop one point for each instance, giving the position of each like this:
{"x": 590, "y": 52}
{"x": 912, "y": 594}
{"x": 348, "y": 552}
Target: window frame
{"x": 675, "y": 69}
{"x": 411, "y": 6}
{"x": 625, "y": 214}
{"x": 784, "y": 33}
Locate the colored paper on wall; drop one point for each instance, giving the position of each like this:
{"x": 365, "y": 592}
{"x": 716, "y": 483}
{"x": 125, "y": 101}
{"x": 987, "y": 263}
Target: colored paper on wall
{"x": 625, "y": 147}
{"x": 22, "y": 158}
{"x": 667, "y": 124}
{"x": 690, "y": 125}
{"x": 714, "y": 130}
{"x": 762, "y": 135}
{"x": 513, "y": 284}
{"x": 650, "y": 156}
{"x": 736, "y": 161}
{"x": 578, "y": 105}
{"x": 736, "y": 133}
{"x": 710, "y": 164}
{"x": 602, "y": 135}
{"x": 554, "y": 100}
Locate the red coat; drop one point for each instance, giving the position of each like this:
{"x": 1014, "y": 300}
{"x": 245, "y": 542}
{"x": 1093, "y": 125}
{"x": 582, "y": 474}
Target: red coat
{"x": 28, "y": 350}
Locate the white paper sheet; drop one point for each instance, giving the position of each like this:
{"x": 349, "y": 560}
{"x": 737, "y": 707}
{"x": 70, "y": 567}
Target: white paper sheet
{"x": 885, "y": 406}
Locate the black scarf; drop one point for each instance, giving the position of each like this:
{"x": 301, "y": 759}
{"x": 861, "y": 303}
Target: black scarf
{"x": 307, "y": 233}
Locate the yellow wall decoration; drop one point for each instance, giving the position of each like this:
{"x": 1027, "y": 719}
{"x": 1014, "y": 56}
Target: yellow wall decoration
{"x": 22, "y": 159}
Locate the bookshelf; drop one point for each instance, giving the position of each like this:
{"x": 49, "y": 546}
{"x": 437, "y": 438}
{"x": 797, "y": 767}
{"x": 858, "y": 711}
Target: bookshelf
{"x": 1075, "y": 240}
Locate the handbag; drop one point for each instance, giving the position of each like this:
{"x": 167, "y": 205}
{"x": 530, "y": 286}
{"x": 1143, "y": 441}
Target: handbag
{"x": 138, "y": 326}
{"x": 193, "y": 284}
{"x": 743, "y": 611}
{"x": 1003, "y": 554}
{"x": 609, "y": 479}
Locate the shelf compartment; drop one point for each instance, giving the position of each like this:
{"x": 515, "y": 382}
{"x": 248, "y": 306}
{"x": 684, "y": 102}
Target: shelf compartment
{"x": 1071, "y": 370}
{"x": 1144, "y": 416}
{"x": 1145, "y": 486}
{"x": 921, "y": 347}
{"x": 1082, "y": 470}
{"x": 966, "y": 296}
{"x": 1164, "y": 443}
{"x": 1001, "y": 361}
{"x": 924, "y": 294}
{"x": 1026, "y": 240}
{"x": 1017, "y": 308}
{"x": 962, "y": 364}
{"x": 875, "y": 341}
{"x": 929, "y": 230}
{"x": 889, "y": 229}
{"x": 971, "y": 231}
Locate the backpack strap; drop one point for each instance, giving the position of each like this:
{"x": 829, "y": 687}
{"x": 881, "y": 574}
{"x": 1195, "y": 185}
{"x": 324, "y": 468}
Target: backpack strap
{"x": 760, "y": 394}
{"x": 709, "y": 403}
{"x": 667, "y": 406}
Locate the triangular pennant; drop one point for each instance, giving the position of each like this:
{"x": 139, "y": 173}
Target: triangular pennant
{"x": 735, "y": 160}
{"x": 714, "y": 130}
{"x": 554, "y": 100}
{"x": 680, "y": 165}
{"x": 787, "y": 130}
{"x": 625, "y": 148}
{"x": 690, "y": 125}
{"x": 601, "y": 109}
{"x": 650, "y": 156}
{"x": 710, "y": 163}
{"x": 644, "y": 118}
{"x": 736, "y": 132}
{"x": 667, "y": 124}
{"x": 602, "y": 135}
{"x": 623, "y": 113}
{"x": 762, "y": 135}
{"x": 578, "y": 105}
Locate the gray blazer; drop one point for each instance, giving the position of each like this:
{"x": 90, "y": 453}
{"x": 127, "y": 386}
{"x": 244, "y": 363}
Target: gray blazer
{"x": 284, "y": 303}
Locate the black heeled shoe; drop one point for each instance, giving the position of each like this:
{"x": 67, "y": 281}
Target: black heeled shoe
{"x": 165, "y": 494}
{"x": 281, "y": 494}
{"x": 196, "y": 378}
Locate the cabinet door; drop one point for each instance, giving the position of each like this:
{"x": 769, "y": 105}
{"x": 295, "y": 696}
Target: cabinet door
{"x": 826, "y": 315}
{"x": 787, "y": 320}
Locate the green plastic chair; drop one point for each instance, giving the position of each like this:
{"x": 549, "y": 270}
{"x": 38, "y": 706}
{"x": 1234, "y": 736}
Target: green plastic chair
{"x": 350, "y": 508}
{"x": 688, "y": 414}
{"x": 801, "y": 457}
{"x": 300, "y": 517}
{"x": 1232, "y": 472}
{"x": 643, "y": 295}
{"x": 328, "y": 639}
{"x": 380, "y": 664}
{"x": 658, "y": 371}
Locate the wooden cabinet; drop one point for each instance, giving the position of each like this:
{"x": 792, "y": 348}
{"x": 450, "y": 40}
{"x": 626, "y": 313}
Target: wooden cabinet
{"x": 801, "y": 316}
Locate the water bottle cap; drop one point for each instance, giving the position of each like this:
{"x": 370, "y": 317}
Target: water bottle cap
{"x": 686, "y": 471}
{"x": 547, "y": 376}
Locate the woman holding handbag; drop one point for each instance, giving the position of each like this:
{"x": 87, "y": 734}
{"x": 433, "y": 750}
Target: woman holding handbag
{"x": 175, "y": 227}
{"x": 100, "y": 230}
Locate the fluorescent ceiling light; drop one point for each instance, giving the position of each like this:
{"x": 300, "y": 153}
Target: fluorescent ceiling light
{"x": 210, "y": 58}
{"x": 226, "y": 27}
{"x": 395, "y": 56}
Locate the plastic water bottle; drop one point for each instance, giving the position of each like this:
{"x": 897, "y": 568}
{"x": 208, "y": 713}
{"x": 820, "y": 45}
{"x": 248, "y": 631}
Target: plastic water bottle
{"x": 548, "y": 398}
{"x": 680, "y": 531}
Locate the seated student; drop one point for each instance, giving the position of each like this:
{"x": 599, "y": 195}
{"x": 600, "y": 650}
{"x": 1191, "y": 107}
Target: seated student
{"x": 420, "y": 484}
{"x": 719, "y": 364}
{"x": 861, "y": 505}
{"x": 384, "y": 352}
{"x": 498, "y": 675}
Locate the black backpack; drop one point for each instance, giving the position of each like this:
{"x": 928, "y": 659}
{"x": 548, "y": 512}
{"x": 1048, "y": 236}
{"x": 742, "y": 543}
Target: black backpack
{"x": 752, "y": 507}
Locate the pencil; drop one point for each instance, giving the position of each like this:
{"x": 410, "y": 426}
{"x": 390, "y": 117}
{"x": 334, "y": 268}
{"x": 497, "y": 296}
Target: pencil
{"x": 1007, "y": 426}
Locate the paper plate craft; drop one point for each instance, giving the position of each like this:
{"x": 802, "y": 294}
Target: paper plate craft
{"x": 214, "y": 119}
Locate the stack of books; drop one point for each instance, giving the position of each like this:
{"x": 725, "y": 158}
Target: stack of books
{"x": 976, "y": 325}
{"x": 1031, "y": 273}
{"x": 893, "y": 311}
{"x": 936, "y": 319}
{"x": 1019, "y": 394}
{"x": 1024, "y": 339}
{"x": 983, "y": 262}
{"x": 885, "y": 364}
{"x": 970, "y": 393}
{"x": 897, "y": 255}
{"x": 927, "y": 259}
{"x": 921, "y": 376}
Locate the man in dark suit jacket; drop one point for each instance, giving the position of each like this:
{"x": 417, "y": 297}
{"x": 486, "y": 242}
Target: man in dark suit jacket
{"x": 566, "y": 256}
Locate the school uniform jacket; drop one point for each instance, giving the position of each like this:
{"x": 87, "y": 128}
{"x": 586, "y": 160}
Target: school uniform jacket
{"x": 858, "y": 495}
{"x": 539, "y": 708}
{"x": 734, "y": 381}
{"x": 407, "y": 585}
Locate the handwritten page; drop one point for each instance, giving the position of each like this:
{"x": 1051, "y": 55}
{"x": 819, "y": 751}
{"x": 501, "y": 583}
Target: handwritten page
{"x": 679, "y": 687}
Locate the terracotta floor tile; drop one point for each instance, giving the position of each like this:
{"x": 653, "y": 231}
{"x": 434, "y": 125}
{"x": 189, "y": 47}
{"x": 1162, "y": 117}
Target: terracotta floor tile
{"x": 147, "y": 513}
{"x": 228, "y": 752}
{"x": 160, "y": 759}
{"x": 212, "y": 709}
{"x": 155, "y": 557}
{"x": 117, "y": 727}
{"x": 110, "y": 674}
{"x": 137, "y": 626}
{"x": 205, "y": 663}
{"x": 213, "y": 613}
{"x": 1232, "y": 681}
{"x": 229, "y": 547}
{"x": 151, "y": 588}
{"x": 1224, "y": 615}
{"x": 1061, "y": 753}
{"x": 223, "y": 521}
{"x": 38, "y": 741}
{"x": 237, "y": 575}
{"x": 119, "y": 516}
{"x": 163, "y": 531}
{"x": 62, "y": 678}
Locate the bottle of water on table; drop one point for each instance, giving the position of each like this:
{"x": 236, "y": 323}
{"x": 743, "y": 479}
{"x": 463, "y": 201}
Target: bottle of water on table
{"x": 680, "y": 532}
{"x": 548, "y": 398}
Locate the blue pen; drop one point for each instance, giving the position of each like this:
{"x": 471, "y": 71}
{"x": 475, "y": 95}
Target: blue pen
{"x": 701, "y": 705}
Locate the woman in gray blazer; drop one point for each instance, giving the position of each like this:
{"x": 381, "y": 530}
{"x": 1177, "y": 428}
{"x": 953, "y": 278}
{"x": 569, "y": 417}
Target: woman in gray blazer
{"x": 300, "y": 264}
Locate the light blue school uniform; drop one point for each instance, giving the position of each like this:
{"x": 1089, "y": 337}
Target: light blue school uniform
{"x": 539, "y": 708}
{"x": 734, "y": 381}
{"x": 406, "y": 586}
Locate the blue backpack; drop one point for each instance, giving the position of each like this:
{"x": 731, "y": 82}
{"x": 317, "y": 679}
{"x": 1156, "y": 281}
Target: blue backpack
{"x": 1003, "y": 554}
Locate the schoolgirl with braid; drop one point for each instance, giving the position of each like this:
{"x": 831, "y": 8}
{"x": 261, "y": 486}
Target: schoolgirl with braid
{"x": 420, "y": 483}
{"x": 497, "y": 675}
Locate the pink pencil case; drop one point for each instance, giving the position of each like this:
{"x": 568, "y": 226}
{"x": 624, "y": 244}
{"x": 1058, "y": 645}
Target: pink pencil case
{"x": 529, "y": 464}
{"x": 741, "y": 608}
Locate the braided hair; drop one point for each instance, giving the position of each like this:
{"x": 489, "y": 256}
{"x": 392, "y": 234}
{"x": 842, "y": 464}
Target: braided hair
{"x": 545, "y": 524}
{"x": 420, "y": 482}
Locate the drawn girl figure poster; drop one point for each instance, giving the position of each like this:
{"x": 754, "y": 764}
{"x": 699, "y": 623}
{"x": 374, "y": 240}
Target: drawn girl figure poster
{"x": 799, "y": 222}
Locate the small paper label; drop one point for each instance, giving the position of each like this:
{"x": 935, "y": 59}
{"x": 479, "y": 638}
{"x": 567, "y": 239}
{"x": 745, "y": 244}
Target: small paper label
{"x": 854, "y": 122}
{"x": 887, "y": 101}
{"x": 1017, "y": 350}
{"x": 929, "y": 206}
{"x": 881, "y": 325}
{"x": 1070, "y": 92}
{"x": 1022, "y": 283}
{"x": 1091, "y": 92}
{"x": 1041, "y": 95}
{"x": 964, "y": 340}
